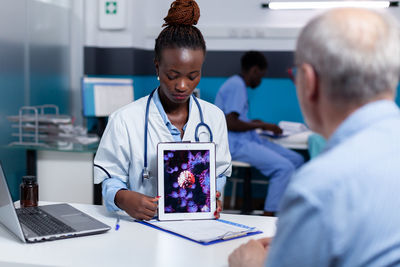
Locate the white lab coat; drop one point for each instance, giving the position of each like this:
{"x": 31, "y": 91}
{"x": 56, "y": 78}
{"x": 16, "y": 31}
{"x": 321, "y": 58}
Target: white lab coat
{"x": 121, "y": 149}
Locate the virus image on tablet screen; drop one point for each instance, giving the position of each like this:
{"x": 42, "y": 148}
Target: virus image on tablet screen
{"x": 186, "y": 181}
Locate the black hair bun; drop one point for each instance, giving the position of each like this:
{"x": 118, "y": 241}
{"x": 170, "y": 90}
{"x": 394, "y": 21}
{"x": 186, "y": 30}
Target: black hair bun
{"x": 182, "y": 12}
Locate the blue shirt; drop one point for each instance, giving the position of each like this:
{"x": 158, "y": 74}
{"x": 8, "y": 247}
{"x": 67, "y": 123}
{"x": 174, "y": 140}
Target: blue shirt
{"x": 232, "y": 97}
{"x": 174, "y": 131}
{"x": 343, "y": 208}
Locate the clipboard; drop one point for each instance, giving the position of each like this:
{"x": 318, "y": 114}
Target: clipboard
{"x": 239, "y": 232}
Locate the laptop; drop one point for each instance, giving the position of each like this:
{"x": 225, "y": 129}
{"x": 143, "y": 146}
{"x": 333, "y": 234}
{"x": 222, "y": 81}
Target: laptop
{"x": 45, "y": 223}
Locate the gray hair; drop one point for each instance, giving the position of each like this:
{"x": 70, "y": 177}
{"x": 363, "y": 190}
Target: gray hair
{"x": 355, "y": 53}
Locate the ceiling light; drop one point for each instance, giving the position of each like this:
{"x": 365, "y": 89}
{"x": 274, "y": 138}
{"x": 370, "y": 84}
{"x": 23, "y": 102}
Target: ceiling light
{"x": 327, "y": 4}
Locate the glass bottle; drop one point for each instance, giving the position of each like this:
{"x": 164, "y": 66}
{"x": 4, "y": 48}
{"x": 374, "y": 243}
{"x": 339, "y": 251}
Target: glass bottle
{"x": 29, "y": 192}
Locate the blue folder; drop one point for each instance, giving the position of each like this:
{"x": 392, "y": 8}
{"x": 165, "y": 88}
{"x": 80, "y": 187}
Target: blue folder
{"x": 226, "y": 238}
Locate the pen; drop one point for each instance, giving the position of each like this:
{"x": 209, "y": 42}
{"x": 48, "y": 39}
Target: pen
{"x": 117, "y": 223}
{"x": 235, "y": 235}
{"x": 241, "y": 233}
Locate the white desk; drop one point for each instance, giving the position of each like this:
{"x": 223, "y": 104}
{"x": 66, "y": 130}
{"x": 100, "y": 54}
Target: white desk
{"x": 61, "y": 172}
{"x": 133, "y": 244}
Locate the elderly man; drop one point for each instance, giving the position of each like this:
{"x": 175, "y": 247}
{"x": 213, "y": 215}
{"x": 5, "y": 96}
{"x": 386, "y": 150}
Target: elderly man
{"x": 343, "y": 208}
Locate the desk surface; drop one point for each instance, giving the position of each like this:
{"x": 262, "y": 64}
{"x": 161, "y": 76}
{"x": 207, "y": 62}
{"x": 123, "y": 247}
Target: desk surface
{"x": 133, "y": 244}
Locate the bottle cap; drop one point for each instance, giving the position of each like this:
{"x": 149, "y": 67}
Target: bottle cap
{"x": 29, "y": 179}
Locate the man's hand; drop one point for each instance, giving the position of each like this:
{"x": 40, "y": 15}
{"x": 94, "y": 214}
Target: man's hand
{"x": 273, "y": 128}
{"x": 137, "y": 205}
{"x": 219, "y": 205}
{"x": 251, "y": 254}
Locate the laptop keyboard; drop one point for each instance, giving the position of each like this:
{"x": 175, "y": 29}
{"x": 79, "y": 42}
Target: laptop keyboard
{"x": 42, "y": 223}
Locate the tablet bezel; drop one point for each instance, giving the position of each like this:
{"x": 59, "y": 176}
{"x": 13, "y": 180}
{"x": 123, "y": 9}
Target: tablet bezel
{"x": 161, "y": 147}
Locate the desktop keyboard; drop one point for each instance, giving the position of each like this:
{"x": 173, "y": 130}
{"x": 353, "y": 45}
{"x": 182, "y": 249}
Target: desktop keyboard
{"x": 42, "y": 223}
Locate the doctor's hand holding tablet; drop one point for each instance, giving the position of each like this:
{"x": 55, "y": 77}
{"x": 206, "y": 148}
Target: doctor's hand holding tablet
{"x": 127, "y": 162}
{"x": 137, "y": 205}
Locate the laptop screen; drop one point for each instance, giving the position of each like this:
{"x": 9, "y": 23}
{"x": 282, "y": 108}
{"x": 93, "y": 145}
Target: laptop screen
{"x": 8, "y": 216}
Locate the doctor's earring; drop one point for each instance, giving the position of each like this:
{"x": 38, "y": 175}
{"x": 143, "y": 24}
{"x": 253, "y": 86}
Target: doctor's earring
{"x": 158, "y": 78}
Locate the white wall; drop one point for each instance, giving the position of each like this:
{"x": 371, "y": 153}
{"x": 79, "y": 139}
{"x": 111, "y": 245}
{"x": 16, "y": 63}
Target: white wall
{"x": 226, "y": 25}
{"x": 132, "y": 36}
{"x": 237, "y": 24}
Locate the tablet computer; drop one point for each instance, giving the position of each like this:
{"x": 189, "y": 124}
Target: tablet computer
{"x": 186, "y": 181}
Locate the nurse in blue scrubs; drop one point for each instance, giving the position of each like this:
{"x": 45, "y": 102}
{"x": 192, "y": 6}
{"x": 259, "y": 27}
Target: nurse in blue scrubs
{"x": 272, "y": 160}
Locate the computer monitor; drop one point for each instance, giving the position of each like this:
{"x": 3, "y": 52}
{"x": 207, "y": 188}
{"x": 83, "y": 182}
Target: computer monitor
{"x": 102, "y": 96}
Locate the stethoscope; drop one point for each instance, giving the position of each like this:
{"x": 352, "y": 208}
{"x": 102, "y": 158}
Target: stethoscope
{"x": 146, "y": 172}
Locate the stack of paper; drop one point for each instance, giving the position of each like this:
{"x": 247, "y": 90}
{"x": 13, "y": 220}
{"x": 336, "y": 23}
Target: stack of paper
{"x": 288, "y": 127}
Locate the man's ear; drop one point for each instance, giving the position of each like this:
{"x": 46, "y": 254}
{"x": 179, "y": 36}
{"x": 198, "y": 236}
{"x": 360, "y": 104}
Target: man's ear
{"x": 310, "y": 82}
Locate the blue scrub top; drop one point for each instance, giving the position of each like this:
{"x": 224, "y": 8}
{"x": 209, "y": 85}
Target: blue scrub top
{"x": 232, "y": 97}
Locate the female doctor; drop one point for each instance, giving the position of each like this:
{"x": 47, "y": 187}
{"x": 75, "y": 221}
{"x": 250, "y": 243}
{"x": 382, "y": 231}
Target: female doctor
{"x": 126, "y": 166}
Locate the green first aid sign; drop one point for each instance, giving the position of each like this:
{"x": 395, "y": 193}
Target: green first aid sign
{"x": 111, "y": 7}
{"x": 111, "y": 15}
